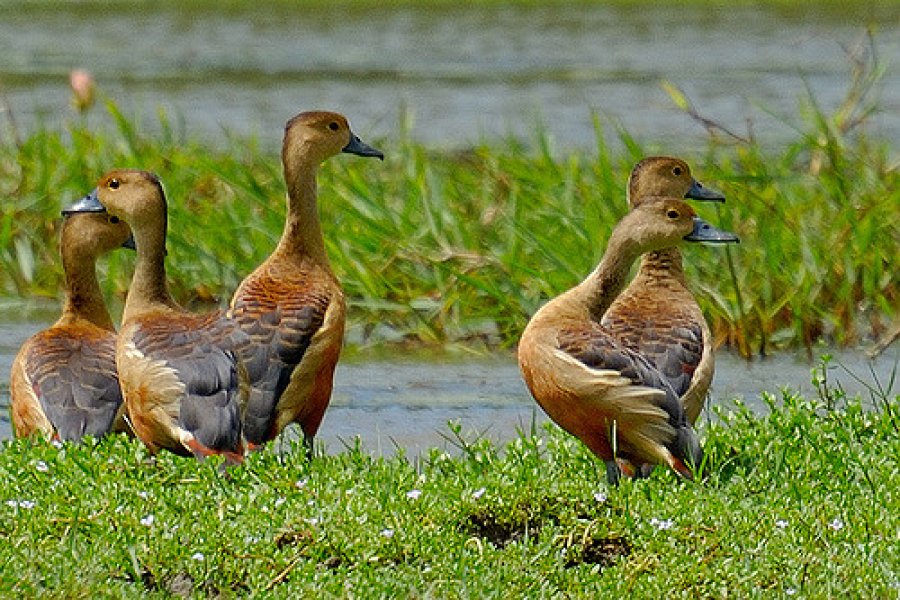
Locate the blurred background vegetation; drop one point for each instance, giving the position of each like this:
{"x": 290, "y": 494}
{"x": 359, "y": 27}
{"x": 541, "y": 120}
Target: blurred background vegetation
{"x": 461, "y": 242}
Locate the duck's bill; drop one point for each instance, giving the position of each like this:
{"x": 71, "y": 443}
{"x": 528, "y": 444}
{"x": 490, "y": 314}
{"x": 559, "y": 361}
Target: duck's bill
{"x": 704, "y": 232}
{"x": 360, "y": 148}
{"x": 129, "y": 243}
{"x": 88, "y": 204}
{"x": 699, "y": 191}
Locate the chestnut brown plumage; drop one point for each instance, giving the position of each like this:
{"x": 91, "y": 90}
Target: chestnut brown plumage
{"x": 607, "y": 395}
{"x": 657, "y": 315}
{"x": 63, "y": 383}
{"x": 292, "y": 306}
{"x": 179, "y": 380}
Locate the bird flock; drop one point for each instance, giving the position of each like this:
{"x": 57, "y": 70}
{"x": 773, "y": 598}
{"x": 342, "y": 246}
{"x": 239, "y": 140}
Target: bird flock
{"x": 625, "y": 369}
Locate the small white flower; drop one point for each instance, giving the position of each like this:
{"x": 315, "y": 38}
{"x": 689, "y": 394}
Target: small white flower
{"x": 781, "y": 523}
{"x": 388, "y": 533}
{"x": 41, "y": 466}
{"x": 413, "y": 494}
{"x": 600, "y": 496}
{"x": 56, "y": 444}
{"x": 478, "y": 493}
{"x": 790, "y": 591}
{"x": 279, "y": 502}
{"x": 836, "y": 524}
{"x": 662, "y": 524}
{"x": 300, "y": 483}
{"x": 26, "y": 504}
{"x": 143, "y": 495}
{"x": 312, "y": 521}
{"x": 148, "y": 520}
{"x": 198, "y": 556}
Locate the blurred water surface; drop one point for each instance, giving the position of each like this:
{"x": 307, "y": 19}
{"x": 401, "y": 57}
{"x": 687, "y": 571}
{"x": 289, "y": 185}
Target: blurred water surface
{"x": 460, "y": 73}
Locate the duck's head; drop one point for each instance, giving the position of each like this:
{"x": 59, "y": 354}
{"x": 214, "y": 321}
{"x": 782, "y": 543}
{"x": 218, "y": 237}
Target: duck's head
{"x": 318, "y": 135}
{"x": 662, "y": 222}
{"x": 130, "y": 195}
{"x": 90, "y": 235}
{"x": 666, "y": 176}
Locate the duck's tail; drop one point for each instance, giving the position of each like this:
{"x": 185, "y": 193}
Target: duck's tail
{"x": 687, "y": 452}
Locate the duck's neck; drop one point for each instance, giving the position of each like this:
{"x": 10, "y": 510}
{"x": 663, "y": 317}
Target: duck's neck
{"x": 148, "y": 289}
{"x": 662, "y": 265}
{"x": 597, "y": 293}
{"x": 84, "y": 300}
{"x": 302, "y": 237}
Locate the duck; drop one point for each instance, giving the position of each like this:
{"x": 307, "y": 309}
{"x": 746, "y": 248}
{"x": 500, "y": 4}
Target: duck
{"x": 292, "y": 306}
{"x": 608, "y": 396}
{"x": 179, "y": 379}
{"x": 657, "y": 315}
{"x": 63, "y": 382}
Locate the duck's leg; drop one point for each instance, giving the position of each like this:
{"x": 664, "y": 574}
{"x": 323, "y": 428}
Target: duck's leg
{"x": 646, "y": 470}
{"x": 613, "y": 472}
{"x": 309, "y": 444}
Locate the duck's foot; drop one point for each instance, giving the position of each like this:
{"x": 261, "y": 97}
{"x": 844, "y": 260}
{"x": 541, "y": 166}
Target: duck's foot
{"x": 201, "y": 452}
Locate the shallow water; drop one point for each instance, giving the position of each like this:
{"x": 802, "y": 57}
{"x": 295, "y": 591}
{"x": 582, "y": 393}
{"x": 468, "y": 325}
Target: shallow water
{"x": 407, "y": 404}
{"x": 460, "y": 72}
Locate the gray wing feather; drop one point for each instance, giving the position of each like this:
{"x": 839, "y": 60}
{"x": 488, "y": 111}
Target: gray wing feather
{"x": 76, "y": 384}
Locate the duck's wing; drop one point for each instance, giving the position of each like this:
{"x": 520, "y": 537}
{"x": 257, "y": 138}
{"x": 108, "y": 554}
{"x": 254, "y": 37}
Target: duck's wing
{"x": 281, "y": 318}
{"x": 649, "y": 419}
{"x": 669, "y": 342}
{"x": 196, "y": 377}
{"x": 72, "y": 374}
{"x": 598, "y": 349}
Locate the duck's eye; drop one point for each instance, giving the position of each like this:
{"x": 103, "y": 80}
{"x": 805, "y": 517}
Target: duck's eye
{"x": 677, "y": 171}
{"x": 114, "y": 220}
{"x": 672, "y": 213}
{"x": 113, "y": 184}
{"x": 333, "y": 126}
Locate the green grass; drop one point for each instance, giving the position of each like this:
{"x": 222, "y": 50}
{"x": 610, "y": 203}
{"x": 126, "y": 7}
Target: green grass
{"x": 438, "y": 246}
{"x": 804, "y": 500}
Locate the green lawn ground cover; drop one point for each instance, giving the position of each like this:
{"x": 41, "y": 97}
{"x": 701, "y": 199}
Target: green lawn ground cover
{"x": 804, "y": 500}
